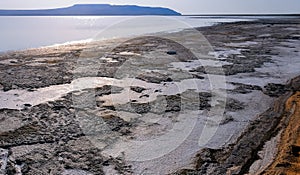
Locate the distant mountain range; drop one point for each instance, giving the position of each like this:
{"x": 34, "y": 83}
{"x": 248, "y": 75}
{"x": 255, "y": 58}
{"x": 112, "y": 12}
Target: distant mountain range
{"x": 92, "y": 9}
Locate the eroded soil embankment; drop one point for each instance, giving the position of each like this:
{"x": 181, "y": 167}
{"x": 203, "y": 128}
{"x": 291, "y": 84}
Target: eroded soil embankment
{"x": 287, "y": 160}
{"x": 238, "y": 157}
{"x": 284, "y": 116}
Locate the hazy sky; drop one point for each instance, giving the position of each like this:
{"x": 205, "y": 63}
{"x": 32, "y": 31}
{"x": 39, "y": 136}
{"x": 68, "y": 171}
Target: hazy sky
{"x": 183, "y": 6}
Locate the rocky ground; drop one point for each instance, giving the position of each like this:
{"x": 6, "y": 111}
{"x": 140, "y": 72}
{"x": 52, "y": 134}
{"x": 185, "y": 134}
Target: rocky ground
{"x": 198, "y": 101}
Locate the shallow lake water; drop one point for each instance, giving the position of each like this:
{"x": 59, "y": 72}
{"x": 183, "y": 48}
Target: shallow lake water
{"x": 21, "y": 32}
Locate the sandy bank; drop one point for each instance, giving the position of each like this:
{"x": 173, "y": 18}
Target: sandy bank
{"x": 287, "y": 160}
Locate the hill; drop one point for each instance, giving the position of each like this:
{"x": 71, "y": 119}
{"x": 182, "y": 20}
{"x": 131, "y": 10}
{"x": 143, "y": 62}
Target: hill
{"x": 92, "y": 9}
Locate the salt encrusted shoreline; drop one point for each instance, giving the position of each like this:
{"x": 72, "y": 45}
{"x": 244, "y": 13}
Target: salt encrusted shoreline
{"x": 143, "y": 88}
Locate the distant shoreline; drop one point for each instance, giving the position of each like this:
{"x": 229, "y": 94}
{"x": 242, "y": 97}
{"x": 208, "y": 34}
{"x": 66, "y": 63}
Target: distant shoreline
{"x": 192, "y": 15}
{"x": 297, "y": 15}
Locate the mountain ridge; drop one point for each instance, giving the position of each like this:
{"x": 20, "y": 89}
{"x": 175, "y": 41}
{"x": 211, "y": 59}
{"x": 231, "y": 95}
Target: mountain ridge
{"x": 92, "y": 9}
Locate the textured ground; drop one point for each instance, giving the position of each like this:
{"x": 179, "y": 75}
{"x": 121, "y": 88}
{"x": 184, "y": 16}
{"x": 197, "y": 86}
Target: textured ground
{"x": 201, "y": 101}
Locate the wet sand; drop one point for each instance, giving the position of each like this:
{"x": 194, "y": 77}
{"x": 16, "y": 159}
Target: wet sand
{"x": 199, "y": 101}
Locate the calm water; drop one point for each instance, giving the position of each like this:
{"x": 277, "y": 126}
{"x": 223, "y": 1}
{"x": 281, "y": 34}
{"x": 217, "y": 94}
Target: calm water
{"x": 31, "y": 32}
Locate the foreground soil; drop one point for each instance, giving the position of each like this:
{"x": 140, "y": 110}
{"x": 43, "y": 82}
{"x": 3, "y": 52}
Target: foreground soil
{"x": 287, "y": 160}
{"x": 238, "y": 158}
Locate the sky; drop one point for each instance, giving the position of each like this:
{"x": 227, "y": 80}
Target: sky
{"x": 182, "y": 6}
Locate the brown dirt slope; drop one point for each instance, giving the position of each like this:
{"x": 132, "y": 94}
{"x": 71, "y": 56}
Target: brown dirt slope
{"x": 287, "y": 160}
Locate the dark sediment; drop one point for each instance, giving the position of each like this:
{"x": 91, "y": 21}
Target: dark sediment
{"x": 137, "y": 89}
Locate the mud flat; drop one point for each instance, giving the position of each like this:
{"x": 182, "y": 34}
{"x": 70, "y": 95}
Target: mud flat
{"x": 213, "y": 100}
